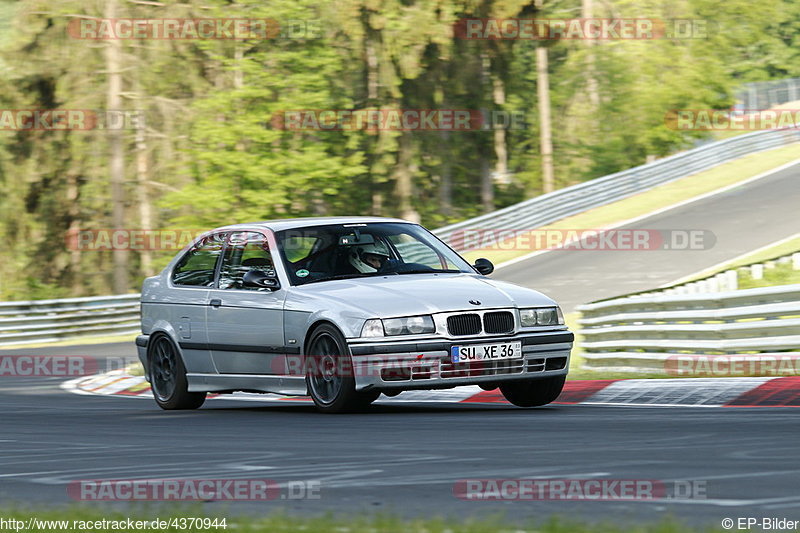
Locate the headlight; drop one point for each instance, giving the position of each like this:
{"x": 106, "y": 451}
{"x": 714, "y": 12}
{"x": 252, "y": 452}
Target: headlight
{"x": 527, "y": 317}
{"x": 372, "y": 328}
{"x": 542, "y": 316}
{"x": 410, "y": 325}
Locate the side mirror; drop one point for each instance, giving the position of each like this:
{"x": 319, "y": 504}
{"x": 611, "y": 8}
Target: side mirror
{"x": 484, "y": 266}
{"x": 260, "y": 280}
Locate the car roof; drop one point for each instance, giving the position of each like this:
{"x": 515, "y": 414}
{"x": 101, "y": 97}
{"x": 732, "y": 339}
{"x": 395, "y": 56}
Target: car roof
{"x": 294, "y": 223}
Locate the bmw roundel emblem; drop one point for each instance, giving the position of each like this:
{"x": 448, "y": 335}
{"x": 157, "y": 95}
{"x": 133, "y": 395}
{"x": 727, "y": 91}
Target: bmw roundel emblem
{"x": 475, "y": 302}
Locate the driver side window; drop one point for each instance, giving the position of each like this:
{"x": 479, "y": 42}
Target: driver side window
{"x": 246, "y": 251}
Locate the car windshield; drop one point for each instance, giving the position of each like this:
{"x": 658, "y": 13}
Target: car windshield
{"x": 342, "y": 251}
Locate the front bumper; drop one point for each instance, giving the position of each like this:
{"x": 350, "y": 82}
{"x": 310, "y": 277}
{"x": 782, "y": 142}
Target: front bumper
{"x": 426, "y": 364}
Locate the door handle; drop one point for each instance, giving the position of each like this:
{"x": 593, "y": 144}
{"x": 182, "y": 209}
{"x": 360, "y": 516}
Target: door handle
{"x": 215, "y": 302}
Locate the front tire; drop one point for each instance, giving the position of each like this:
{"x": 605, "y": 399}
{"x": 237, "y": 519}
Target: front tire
{"x": 329, "y": 373}
{"x": 533, "y": 392}
{"x": 168, "y": 377}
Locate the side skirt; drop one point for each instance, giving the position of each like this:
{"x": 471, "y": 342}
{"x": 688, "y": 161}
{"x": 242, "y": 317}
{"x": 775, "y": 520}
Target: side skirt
{"x": 289, "y": 385}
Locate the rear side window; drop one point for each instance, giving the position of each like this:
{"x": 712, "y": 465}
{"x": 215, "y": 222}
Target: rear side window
{"x": 196, "y": 268}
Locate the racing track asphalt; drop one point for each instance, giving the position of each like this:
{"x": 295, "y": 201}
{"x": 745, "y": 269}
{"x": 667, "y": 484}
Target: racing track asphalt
{"x": 401, "y": 458}
{"x": 743, "y": 218}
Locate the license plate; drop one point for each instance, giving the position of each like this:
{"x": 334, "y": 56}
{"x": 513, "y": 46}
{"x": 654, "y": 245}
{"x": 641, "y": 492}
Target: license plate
{"x": 483, "y": 352}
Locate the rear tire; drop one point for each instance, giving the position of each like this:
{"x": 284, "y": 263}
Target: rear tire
{"x": 533, "y": 392}
{"x": 168, "y": 376}
{"x": 329, "y": 373}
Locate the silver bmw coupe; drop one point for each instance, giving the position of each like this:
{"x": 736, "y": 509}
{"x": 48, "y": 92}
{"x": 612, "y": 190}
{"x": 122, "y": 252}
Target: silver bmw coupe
{"x": 343, "y": 309}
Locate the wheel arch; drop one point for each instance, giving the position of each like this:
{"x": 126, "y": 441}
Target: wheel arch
{"x": 316, "y": 324}
{"x": 155, "y": 333}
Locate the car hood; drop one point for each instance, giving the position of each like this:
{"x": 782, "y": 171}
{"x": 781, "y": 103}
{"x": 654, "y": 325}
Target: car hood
{"x": 413, "y": 294}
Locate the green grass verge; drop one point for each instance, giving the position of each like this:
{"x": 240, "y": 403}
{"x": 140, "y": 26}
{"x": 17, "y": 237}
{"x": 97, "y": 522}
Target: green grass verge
{"x": 777, "y": 249}
{"x": 657, "y": 198}
{"x": 283, "y": 523}
{"x": 785, "y": 247}
{"x": 780, "y": 275}
{"x": 77, "y": 341}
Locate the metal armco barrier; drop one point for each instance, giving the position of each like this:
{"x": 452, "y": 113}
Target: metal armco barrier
{"x": 768, "y": 94}
{"x": 639, "y": 333}
{"x": 54, "y": 320}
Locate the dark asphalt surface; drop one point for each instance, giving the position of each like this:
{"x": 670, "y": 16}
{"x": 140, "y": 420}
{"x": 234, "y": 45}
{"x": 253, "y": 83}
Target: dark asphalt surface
{"x": 742, "y": 219}
{"x": 405, "y": 458}
{"x": 402, "y": 458}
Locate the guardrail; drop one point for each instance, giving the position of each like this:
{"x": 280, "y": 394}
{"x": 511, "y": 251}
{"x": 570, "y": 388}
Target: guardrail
{"x": 768, "y": 94}
{"x": 562, "y": 203}
{"x": 38, "y": 321}
{"x": 640, "y": 333}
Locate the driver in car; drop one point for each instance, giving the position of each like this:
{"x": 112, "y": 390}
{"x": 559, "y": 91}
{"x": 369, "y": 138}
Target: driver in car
{"x": 369, "y": 258}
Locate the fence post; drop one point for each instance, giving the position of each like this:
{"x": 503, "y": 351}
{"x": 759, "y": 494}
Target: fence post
{"x": 732, "y": 280}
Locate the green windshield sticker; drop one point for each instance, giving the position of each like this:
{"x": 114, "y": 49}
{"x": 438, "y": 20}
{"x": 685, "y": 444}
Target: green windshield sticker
{"x": 302, "y": 273}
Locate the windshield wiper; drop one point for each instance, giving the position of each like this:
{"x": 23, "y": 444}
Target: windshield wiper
{"x": 425, "y": 271}
{"x": 338, "y": 276}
